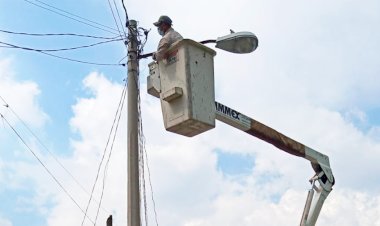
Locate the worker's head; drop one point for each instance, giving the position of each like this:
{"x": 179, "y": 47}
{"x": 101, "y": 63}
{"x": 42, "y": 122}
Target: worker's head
{"x": 163, "y": 24}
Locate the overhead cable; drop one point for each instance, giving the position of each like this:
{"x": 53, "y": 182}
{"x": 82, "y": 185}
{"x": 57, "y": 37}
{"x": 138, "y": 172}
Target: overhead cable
{"x": 81, "y": 61}
{"x": 113, "y": 15}
{"x": 45, "y": 147}
{"x": 143, "y": 159}
{"x": 62, "y": 49}
{"x": 126, "y": 14}
{"x": 44, "y": 166}
{"x": 113, "y": 129}
{"x": 118, "y": 14}
{"x": 63, "y": 58}
{"x": 122, "y": 99}
{"x": 80, "y": 20}
{"x": 58, "y": 34}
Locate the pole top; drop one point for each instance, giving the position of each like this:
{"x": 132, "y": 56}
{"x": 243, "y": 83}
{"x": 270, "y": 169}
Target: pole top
{"x": 133, "y": 23}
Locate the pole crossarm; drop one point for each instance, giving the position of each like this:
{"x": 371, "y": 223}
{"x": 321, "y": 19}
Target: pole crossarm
{"x": 319, "y": 161}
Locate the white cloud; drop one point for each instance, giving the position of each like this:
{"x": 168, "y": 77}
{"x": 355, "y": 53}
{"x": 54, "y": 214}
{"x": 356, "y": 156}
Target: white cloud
{"x": 16, "y": 92}
{"x": 92, "y": 120}
{"x": 190, "y": 191}
{"x": 5, "y": 222}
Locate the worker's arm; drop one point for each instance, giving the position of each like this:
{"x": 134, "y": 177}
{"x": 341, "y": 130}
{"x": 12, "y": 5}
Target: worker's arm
{"x": 162, "y": 49}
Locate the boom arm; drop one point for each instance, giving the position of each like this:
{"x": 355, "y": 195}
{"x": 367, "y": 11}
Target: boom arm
{"x": 319, "y": 162}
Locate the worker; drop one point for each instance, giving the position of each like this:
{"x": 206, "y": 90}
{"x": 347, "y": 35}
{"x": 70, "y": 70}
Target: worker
{"x": 169, "y": 36}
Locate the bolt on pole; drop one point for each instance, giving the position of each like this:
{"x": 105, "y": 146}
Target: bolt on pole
{"x": 133, "y": 214}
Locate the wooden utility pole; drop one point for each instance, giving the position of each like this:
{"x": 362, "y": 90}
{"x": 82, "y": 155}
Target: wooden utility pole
{"x": 133, "y": 213}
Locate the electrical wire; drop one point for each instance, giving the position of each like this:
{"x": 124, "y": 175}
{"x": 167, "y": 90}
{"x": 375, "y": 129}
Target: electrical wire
{"x": 142, "y": 43}
{"x": 113, "y": 15}
{"x": 43, "y": 165}
{"x": 144, "y": 162}
{"x": 6, "y": 104}
{"x": 62, "y": 49}
{"x": 110, "y": 152}
{"x": 118, "y": 14}
{"x": 81, "y": 61}
{"x": 91, "y": 21}
{"x": 57, "y": 34}
{"x": 66, "y": 58}
{"x": 80, "y": 20}
{"x": 115, "y": 121}
{"x": 141, "y": 141}
{"x": 126, "y": 14}
{"x": 45, "y": 147}
{"x": 123, "y": 58}
{"x": 142, "y": 182}
{"x": 150, "y": 180}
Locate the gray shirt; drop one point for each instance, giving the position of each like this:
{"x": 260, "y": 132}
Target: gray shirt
{"x": 170, "y": 37}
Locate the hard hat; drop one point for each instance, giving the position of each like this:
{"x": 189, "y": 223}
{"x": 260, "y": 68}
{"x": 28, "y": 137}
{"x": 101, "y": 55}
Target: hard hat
{"x": 163, "y": 19}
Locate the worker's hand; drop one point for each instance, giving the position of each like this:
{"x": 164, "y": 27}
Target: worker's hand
{"x": 154, "y": 56}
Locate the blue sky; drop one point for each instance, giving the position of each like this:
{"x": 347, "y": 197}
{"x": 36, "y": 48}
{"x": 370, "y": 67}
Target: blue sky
{"x": 314, "y": 77}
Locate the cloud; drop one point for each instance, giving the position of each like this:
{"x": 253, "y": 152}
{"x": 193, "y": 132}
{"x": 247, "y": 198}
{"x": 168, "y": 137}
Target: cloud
{"x": 16, "y": 92}
{"x": 189, "y": 189}
{"x": 5, "y": 222}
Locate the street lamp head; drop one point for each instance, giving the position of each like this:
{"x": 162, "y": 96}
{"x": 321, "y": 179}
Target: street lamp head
{"x": 239, "y": 42}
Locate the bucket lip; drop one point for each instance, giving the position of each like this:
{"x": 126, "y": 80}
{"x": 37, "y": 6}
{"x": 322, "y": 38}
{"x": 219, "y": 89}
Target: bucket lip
{"x": 182, "y": 42}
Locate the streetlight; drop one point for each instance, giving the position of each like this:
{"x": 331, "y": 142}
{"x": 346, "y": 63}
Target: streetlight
{"x": 236, "y": 42}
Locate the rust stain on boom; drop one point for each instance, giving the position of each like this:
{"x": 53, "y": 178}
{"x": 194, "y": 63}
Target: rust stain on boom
{"x": 276, "y": 138}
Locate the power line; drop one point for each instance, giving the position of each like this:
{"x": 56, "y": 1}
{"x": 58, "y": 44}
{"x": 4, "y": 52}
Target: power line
{"x": 62, "y": 49}
{"x": 118, "y": 14}
{"x": 63, "y": 58}
{"x": 81, "y": 61}
{"x": 44, "y": 166}
{"x": 150, "y": 182}
{"x": 75, "y": 15}
{"x": 110, "y": 152}
{"x": 115, "y": 121}
{"x": 142, "y": 43}
{"x": 142, "y": 150}
{"x": 113, "y": 15}
{"x": 57, "y": 34}
{"x": 105, "y": 28}
{"x": 126, "y": 14}
{"x": 45, "y": 147}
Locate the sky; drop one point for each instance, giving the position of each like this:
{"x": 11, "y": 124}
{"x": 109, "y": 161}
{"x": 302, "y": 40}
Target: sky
{"x": 314, "y": 77}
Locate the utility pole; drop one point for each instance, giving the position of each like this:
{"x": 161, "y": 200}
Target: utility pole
{"x": 133, "y": 214}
